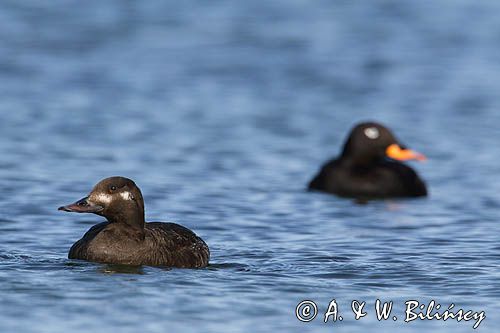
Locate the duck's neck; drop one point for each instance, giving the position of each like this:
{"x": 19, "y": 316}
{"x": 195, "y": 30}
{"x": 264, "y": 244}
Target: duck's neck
{"x": 360, "y": 161}
{"x": 131, "y": 218}
{"x": 358, "y": 157}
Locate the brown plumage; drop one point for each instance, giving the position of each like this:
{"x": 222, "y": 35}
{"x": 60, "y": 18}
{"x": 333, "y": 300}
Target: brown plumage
{"x": 126, "y": 238}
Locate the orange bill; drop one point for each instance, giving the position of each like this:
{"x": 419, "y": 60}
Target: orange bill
{"x": 394, "y": 151}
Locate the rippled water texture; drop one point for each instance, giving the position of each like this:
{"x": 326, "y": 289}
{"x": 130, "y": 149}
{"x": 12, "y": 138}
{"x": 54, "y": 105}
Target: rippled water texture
{"x": 222, "y": 112}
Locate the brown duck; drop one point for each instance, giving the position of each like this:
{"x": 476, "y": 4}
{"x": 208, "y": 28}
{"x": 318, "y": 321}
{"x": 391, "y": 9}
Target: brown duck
{"x": 126, "y": 238}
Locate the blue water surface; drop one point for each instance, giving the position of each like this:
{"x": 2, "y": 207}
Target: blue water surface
{"x": 222, "y": 112}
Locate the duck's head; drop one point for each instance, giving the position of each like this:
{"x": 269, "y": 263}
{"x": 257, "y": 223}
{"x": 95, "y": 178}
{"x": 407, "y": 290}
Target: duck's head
{"x": 116, "y": 198}
{"x": 372, "y": 141}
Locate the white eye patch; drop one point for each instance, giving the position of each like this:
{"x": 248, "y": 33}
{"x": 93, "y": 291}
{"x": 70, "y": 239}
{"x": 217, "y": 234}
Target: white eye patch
{"x": 103, "y": 197}
{"x": 372, "y": 133}
{"x": 127, "y": 195}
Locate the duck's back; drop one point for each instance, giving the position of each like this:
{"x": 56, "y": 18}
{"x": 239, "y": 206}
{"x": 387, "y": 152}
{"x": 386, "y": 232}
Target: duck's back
{"x": 161, "y": 244}
{"x": 174, "y": 245}
{"x": 382, "y": 180}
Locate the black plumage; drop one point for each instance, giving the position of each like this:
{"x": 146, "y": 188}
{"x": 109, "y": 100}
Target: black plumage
{"x": 369, "y": 167}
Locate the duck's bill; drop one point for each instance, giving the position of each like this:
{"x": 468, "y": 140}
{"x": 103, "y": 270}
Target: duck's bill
{"x": 395, "y": 151}
{"x": 82, "y": 206}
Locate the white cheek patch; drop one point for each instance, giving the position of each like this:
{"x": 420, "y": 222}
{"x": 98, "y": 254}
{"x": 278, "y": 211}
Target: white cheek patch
{"x": 127, "y": 195}
{"x": 372, "y": 133}
{"x": 104, "y": 198}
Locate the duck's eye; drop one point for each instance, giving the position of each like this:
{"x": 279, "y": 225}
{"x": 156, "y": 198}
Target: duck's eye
{"x": 112, "y": 188}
